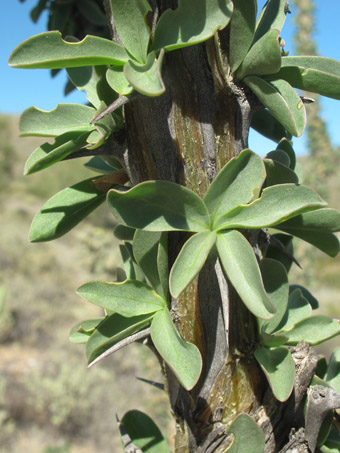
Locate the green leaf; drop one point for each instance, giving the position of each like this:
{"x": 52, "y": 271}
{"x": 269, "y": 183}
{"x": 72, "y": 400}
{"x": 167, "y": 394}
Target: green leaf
{"x": 332, "y": 445}
{"x": 283, "y": 251}
{"x": 285, "y": 145}
{"x": 242, "y": 29}
{"x": 64, "y": 118}
{"x": 112, "y": 330}
{"x": 144, "y": 433}
{"x": 279, "y": 174}
{"x": 190, "y": 261}
{"x": 248, "y": 436}
{"x": 313, "y": 330}
{"x": 163, "y": 264}
{"x": 124, "y": 233}
{"x": 129, "y": 19}
{"x": 65, "y": 210}
{"x": 277, "y": 204}
{"x": 81, "y": 332}
{"x": 275, "y": 281}
{"x": 99, "y": 165}
{"x": 48, "y": 154}
{"x": 118, "y": 82}
{"x": 145, "y": 249}
{"x": 312, "y": 73}
{"x": 192, "y": 22}
{"x": 240, "y": 265}
{"x": 306, "y": 294}
{"x": 298, "y": 309}
{"x": 132, "y": 269}
{"x": 146, "y": 78}
{"x": 236, "y": 184}
{"x": 92, "y": 12}
{"x": 333, "y": 371}
{"x": 159, "y": 206}
{"x": 278, "y": 366}
{"x": 86, "y": 79}
{"x": 317, "y": 228}
{"x": 130, "y": 298}
{"x": 182, "y": 357}
{"x": 279, "y": 156}
{"x": 283, "y": 102}
{"x": 273, "y": 15}
{"x": 264, "y": 57}
{"x": 267, "y": 125}
{"x": 49, "y": 51}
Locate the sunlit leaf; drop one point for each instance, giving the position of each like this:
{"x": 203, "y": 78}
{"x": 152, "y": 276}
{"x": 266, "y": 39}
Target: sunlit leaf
{"x": 241, "y": 267}
{"x": 129, "y": 19}
{"x": 313, "y": 330}
{"x": 235, "y": 184}
{"x": 146, "y": 78}
{"x": 163, "y": 264}
{"x": 190, "y": 260}
{"x": 118, "y": 82}
{"x": 82, "y": 331}
{"x": 144, "y": 433}
{"x": 298, "y": 309}
{"x": 182, "y": 357}
{"x": 159, "y": 206}
{"x": 65, "y": 210}
{"x": 49, "y": 51}
{"x": 278, "y": 366}
{"x": 86, "y": 79}
{"x": 192, "y": 22}
{"x": 129, "y": 298}
{"x": 273, "y": 15}
{"x": 279, "y": 156}
{"x": 248, "y": 437}
{"x": 283, "y": 102}
{"x": 242, "y": 28}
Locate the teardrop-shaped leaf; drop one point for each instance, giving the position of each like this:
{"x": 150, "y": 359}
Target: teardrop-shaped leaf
{"x": 279, "y": 174}
{"x": 235, "y": 184}
{"x": 279, "y": 156}
{"x": 275, "y": 281}
{"x": 163, "y": 265}
{"x": 159, "y": 206}
{"x": 130, "y": 298}
{"x": 241, "y": 267}
{"x": 312, "y": 73}
{"x": 190, "y": 261}
{"x": 283, "y": 102}
{"x": 277, "y": 204}
{"x": 48, "y": 154}
{"x": 313, "y": 302}
{"x": 264, "y": 57}
{"x": 281, "y": 249}
{"x": 65, "y": 210}
{"x": 317, "y": 228}
{"x": 278, "y": 366}
{"x": 82, "y": 331}
{"x": 333, "y": 371}
{"x": 285, "y": 145}
{"x": 146, "y": 78}
{"x": 182, "y": 357}
{"x": 49, "y": 51}
{"x": 129, "y": 19}
{"x": 192, "y": 22}
{"x": 298, "y": 309}
{"x": 124, "y": 233}
{"x": 248, "y": 436}
{"x": 131, "y": 267}
{"x": 144, "y": 433}
{"x": 86, "y": 79}
{"x": 99, "y": 165}
{"x": 118, "y": 82}
{"x": 313, "y": 330}
{"x": 64, "y": 118}
{"x": 267, "y": 125}
{"x": 111, "y": 331}
{"x": 242, "y": 29}
{"x": 273, "y": 15}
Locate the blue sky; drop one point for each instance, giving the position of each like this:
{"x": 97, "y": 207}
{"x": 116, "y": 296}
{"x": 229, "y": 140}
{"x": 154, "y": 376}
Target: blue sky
{"x": 22, "y": 88}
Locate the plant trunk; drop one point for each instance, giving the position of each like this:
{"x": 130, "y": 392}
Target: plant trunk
{"x": 186, "y": 136}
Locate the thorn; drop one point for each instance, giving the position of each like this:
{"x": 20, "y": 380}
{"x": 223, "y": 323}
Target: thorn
{"x": 153, "y": 383}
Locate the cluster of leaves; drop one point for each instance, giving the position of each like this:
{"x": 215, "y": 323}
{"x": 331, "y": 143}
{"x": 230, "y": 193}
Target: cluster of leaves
{"x": 248, "y": 194}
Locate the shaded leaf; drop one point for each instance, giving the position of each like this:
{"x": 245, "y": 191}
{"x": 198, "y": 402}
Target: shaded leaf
{"x": 279, "y": 174}
{"x": 159, "y": 206}
{"x": 182, "y": 357}
{"x": 129, "y": 19}
{"x": 278, "y": 366}
{"x": 99, "y": 165}
{"x": 81, "y": 332}
{"x": 118, "y": 82}
{"x": 92, "y": 12}
{"x": 281, "y": 249}
{"x": 235, "y": 184}
{"x": 306, "y": 294}
{"x": 65, "y": 210}
{"x": 49, "y": 51}
{"x": 267, "y": 125}
{"x": 86, "y": 79}
{"x": 285, "y": 145}
{"x": 190, "y": 261}
{"x": 131, "y": 267}
{"x": 111, "y": 331}
{"x": 144, "y": 433}
{"x": 313, "y": 330}
{"x": 277, "y": 204}
{"x": 333, "y": 371}
{"x": 163, "y": 264}
{"x": 283, "y": 102}
{"x": 124, "y": 233}
{"x": 147, "y": 78}
{"x": 279, "y": 156}
{"x": 249, "y": 437}
{"x": 298, "y": 309}
{"x": 241, "y": 267}
{"x": 242, "y": 29}
{"x": 130, "y": 298}
{"x": 192, "y": 22}
{"x": 264, "y": 57}
{"x": 273, "y": 15}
